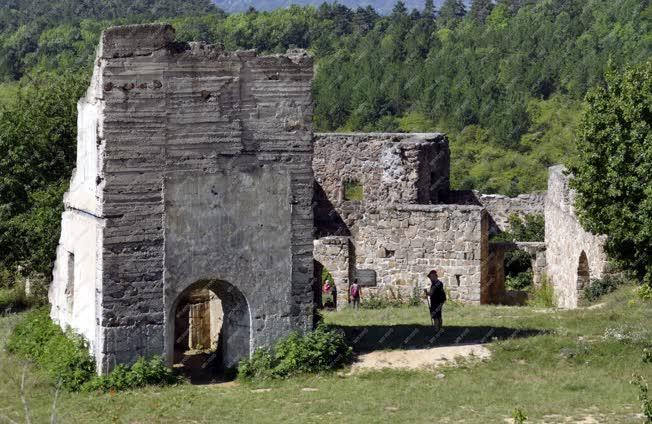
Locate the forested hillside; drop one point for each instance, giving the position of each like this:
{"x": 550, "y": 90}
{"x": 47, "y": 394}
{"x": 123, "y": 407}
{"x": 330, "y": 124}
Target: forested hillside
{"x": 506, "y": 81}
{"x": 382, "y": 6}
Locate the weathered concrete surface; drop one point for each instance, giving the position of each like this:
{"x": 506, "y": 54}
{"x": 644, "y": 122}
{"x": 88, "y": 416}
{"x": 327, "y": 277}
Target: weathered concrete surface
{"x": 573, "y": 255}
{"x": 194, "y": 168}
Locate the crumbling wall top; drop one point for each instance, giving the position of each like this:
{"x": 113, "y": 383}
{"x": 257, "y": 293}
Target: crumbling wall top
{"x": 135, "y": 40}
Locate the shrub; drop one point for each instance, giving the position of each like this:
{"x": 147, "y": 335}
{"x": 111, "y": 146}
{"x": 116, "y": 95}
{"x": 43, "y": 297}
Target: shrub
{"x": 647, "y": 356}
{"x": 66, "y": 359}
{"x": 12, "y": 299}
{"x": 393, "y": 299}
{"x": 321, "y": 350}
{"x": 601, "y": 286}
{"x": 519, "y": 416}
{"x": 520, "y": 281}
{"x": 644, "y": 292}
{"x": 528, "y": 228}
{"x": 626, "y": 335}
{"x": 542, "y": 296}
{"x": 143, "y": 372}
{"x": 63, "y": 356}
{"x": 643, "y": 396}
{"x": 375, "y": 301}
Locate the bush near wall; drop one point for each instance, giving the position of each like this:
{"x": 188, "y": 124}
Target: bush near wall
{"x": 601, "y": 286}
{"x": 65, "y": 358}
{"x": 323, "y": 349}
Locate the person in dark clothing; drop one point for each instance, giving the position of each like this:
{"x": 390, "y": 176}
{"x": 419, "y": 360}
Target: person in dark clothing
{"x": 437, "y": 296}
{"x": 334, "y": 293}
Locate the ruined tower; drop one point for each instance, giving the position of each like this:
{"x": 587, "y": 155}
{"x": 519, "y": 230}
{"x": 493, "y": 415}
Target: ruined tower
{"x": 194, "y": 174}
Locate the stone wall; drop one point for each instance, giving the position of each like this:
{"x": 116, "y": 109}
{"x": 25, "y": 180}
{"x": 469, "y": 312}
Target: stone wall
{"x": 402, "y": 243}
{"x": 194, "y": 166}
{"x": 391, "y": 168}
{"x": 500, "y": 207}
{"x": 571, "y": 251}
{"x": 496, "y": 291}
{"x": 334, "y": 254}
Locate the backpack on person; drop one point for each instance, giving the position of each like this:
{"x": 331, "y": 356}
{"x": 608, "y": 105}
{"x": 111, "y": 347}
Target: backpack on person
{"x": 355, "y": 291}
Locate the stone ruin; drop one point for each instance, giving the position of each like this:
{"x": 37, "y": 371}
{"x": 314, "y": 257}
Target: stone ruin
{"x": 405, "y": 220}
{"x": 198, "y": 218}
{"x": 193, "y": 181}
{"x": 574, "y": 256}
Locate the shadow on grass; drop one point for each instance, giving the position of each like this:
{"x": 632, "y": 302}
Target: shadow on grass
{"x": 369, "y": 338}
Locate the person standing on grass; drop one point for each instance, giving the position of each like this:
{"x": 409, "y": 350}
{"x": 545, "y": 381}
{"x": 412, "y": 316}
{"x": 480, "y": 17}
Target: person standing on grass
{"x": 437, "y": 296}
{"x": 334, "y": 293}
{"x": 355, "y": 294}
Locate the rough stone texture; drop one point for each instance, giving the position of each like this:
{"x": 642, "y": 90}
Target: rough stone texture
{"x": 571, "y": 251}
{"x": 397, "y": 230}
{"x": 334, "y": 253}
{"x": 404, "y": 242}
{"x": 392, "y": 169}
{"x": 500, "y": 207}
{"x": 194, "y": 167}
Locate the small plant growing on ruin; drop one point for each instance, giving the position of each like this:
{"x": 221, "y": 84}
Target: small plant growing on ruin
{"x": 353, "y": 191}
{"x": 320, "y": 350}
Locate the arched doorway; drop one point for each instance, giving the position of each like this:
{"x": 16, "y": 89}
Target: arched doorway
{"x": 209, "y": 330}
{"x": 583, "y": 274}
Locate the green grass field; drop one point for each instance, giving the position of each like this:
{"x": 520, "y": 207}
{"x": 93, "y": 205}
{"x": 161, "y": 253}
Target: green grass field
{"x": 556, "y": 366}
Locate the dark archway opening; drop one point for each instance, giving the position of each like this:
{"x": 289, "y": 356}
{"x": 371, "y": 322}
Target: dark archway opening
{"x": 211, "y": 331}
{"x": 583, "y": 274}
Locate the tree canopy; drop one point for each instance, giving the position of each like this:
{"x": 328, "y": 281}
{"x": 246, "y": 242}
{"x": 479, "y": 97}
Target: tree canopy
{"x": 613, "y": 176}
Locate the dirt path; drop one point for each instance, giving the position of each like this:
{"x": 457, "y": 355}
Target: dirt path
{"x": 419, "y": 358}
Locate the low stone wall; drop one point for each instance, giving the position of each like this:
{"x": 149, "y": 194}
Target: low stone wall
{"x": 401, "y": 244}
{"x": 500, "y": 207}
{"x": 574, "y": 255}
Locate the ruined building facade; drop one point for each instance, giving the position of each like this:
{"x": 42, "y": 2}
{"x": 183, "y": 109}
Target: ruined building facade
{"x": 199, "y": 219}
{"x": 574, "y": 256}
{"x": 385, "y": 214}
{"x": 193, "y": 175}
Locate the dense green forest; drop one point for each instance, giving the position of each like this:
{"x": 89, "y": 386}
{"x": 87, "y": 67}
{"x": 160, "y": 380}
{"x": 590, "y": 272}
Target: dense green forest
{"x": 506, "y": 80}
{"x": 382, "y": 6}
